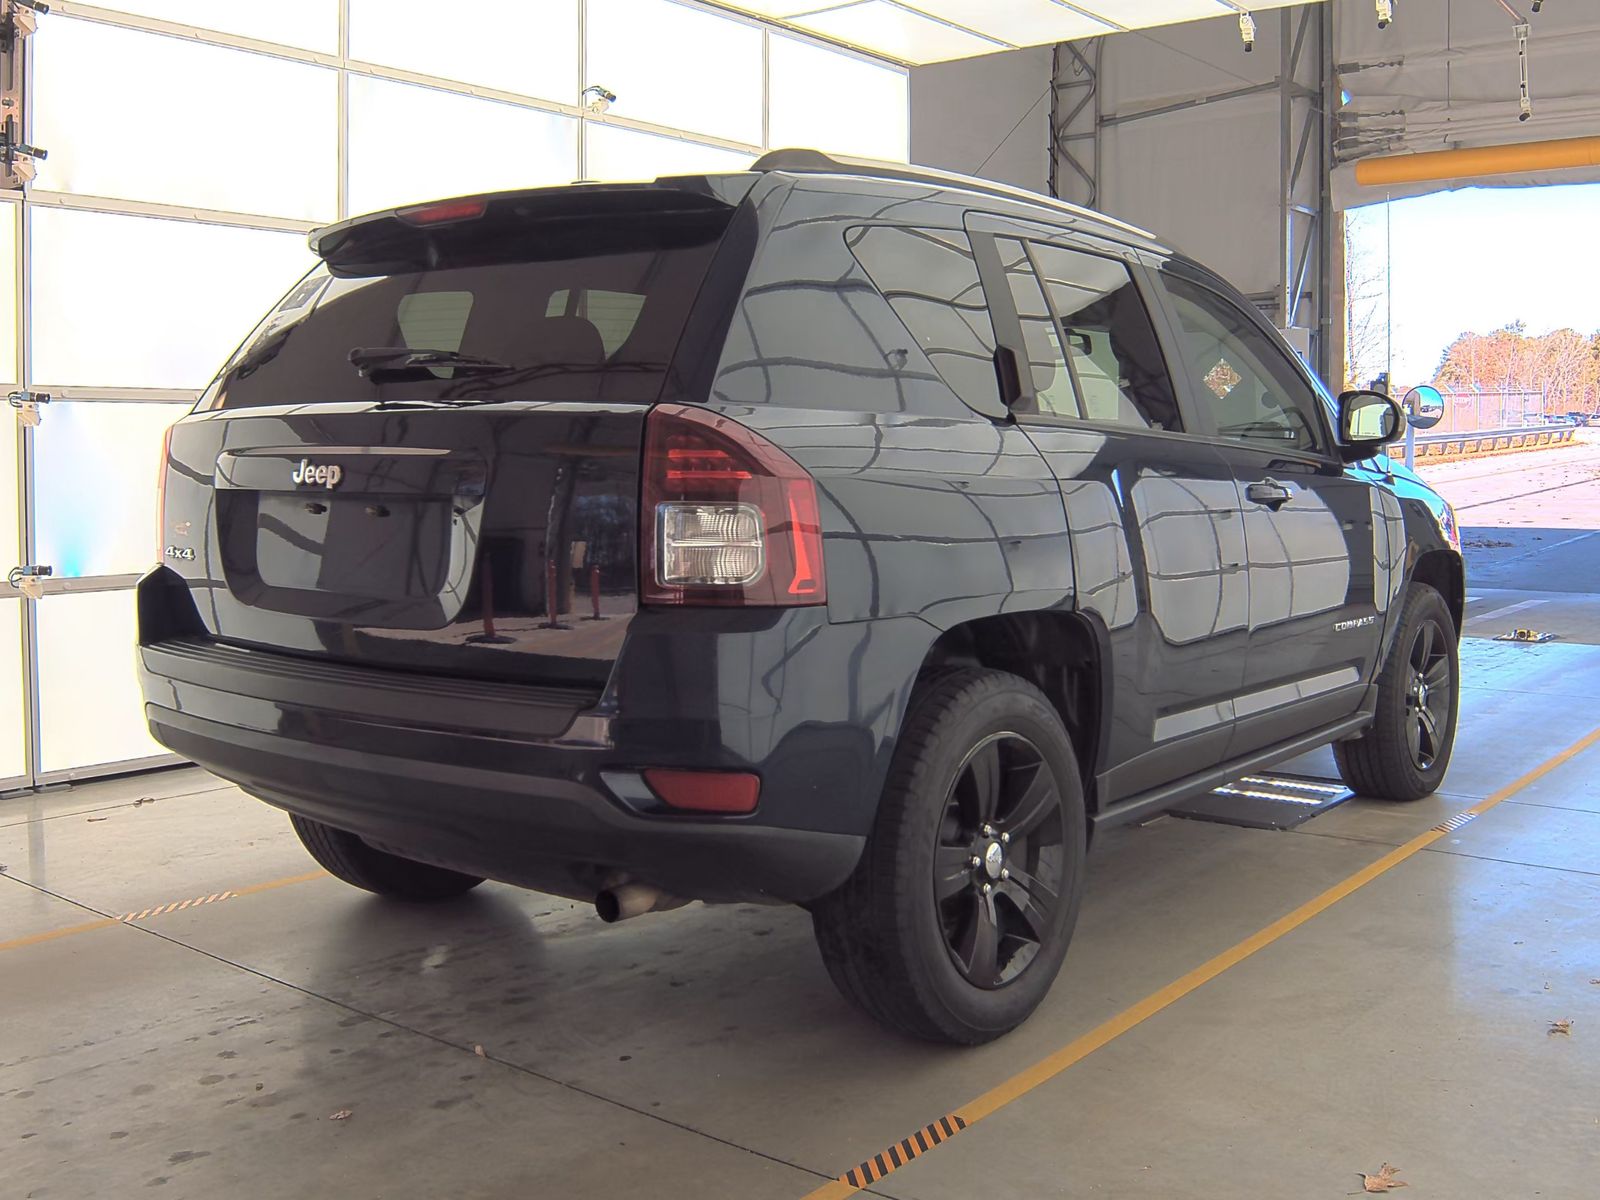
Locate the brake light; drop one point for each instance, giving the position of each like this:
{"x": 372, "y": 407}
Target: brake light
{"x": 161, "y": 495}
{"x": 728, "y": 518}
{"x": 445, "y": 212}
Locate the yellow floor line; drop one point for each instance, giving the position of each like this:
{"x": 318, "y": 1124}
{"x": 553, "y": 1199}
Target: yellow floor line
{"x": 127, "y": 918}
{"x": 1076, "y": 1051}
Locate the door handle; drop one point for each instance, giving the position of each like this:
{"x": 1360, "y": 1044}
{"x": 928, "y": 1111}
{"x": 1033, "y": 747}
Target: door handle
{"x": 1269, "y": 492}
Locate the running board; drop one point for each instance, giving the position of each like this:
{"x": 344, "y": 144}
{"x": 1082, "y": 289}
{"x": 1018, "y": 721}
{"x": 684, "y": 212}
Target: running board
{"x": 1158, "y": 800}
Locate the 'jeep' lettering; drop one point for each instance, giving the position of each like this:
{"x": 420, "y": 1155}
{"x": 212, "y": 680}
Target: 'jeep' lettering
{"x": 305, "y": 475}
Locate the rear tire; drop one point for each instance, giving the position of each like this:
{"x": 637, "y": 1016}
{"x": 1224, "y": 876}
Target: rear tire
{"x": 347, "y": 857}
{"x": 913, "y": 938}
{"x": 1405, "y": 752}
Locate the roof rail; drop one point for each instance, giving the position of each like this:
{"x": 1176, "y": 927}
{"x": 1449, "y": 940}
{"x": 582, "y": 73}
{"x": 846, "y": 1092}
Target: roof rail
{"x": 802, "y": 161}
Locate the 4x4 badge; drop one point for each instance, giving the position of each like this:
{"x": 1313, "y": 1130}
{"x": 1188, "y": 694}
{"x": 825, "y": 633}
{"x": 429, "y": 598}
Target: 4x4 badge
{"x": 305, "y": 475}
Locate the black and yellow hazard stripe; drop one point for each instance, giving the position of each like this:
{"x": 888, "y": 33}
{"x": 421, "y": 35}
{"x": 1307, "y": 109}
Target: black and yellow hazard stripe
{"x": 902, "y": 1152}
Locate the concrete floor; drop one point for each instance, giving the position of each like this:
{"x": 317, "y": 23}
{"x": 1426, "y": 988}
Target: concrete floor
{"x": 202, "y": 1052}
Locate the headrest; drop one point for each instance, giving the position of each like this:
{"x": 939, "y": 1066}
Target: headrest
{"x": 567, "y": 340}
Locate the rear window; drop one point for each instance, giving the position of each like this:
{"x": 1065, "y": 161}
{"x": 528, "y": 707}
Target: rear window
{"x": 566, "y": 309}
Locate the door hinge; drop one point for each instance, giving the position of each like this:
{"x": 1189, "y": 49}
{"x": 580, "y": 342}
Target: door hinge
{"x": 27, "y": 405}
{"x": 29, "y": 579}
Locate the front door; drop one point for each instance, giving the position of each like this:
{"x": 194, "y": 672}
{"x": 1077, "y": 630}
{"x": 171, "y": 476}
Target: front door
{"x": 1314, "y": 532}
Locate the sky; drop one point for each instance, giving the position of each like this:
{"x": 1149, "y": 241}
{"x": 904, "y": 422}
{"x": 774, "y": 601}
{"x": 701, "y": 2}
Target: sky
{"x": 1480, "y": 258}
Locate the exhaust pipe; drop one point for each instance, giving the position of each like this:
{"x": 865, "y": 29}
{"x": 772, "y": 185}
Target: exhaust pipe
{"x": 631, "y": 900}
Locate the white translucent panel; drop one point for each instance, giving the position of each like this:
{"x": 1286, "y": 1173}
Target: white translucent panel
{"x": 121, "y": 301}
{"x": 677, "y": 66}
{"x": 624, "y": 154}
{"x": 313, "y": 24}
{"x": 415, "y": 143}
{"x": 10, "y": 216}
{"x": 94, "y": 485}
{"x": 10, "y": 537}
{"x": 836, "y": 102}
{"x": 1140, "y": 13}
{"x": 889, "y": 29}
{"x": 90, "y": 710}
{"x": 513, "y": 45}
{"x": 1020, "y": 22}
{"x": 780, "y": 8}
{"x": 12, "y": 731}
{"x": 219, "y": 111}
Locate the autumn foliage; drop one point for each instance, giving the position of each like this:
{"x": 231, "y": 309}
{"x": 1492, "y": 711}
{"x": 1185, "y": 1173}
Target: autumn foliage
{"x": 1563, "y": 364}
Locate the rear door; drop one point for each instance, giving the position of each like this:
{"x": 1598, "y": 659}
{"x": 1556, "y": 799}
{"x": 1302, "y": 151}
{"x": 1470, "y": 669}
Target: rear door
{"x": 1151, "y": 511}
{"x": 427, "y": 456}
{"x": 1312, "y": 529}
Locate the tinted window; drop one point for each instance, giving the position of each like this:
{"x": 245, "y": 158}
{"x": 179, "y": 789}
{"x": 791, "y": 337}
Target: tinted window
{"x": 1241, "y": 374}
{"x": 1053, "y": 389}
{"x": 614, "y": 314}
{"x": 1112, "y": 351}
{"x": 556, "y": 319}
{"x": 930, "y": 279}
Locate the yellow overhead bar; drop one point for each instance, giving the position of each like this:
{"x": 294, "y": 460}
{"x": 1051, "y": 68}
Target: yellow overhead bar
{"x": 1482, "y": 160}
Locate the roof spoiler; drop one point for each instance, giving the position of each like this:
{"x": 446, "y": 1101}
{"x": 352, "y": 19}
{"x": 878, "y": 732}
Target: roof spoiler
{"x": 815, "y": 162}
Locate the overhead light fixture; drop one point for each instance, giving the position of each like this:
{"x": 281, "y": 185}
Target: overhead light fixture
{"x": 1385, "y": 13}
{"x": 1537, "y": 5}
{"x": 1247, "y": 31}
{"x": 597, "y": 99}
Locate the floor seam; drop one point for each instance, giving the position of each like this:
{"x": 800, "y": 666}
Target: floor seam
{"x": 1553, "y": 807}
{"x": 140, "y": 803}
{"x": 435, "y": 1038}
{"x": 1512, "y": 862}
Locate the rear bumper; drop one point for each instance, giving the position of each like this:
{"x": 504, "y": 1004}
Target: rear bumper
{"x": 532, "y": 786}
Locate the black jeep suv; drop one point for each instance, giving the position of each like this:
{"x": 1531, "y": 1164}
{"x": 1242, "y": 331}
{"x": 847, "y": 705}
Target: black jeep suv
{"x": 827, "y": 533}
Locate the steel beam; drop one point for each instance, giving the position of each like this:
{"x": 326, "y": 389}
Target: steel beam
{"x": 1076, "y": 122}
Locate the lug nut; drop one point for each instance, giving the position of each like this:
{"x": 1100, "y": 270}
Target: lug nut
{"x": 987, "y": 888}
{"x": 1005, "y": 872}
{"x": 974, "y": 861}
{"x": 1005, "y": 839}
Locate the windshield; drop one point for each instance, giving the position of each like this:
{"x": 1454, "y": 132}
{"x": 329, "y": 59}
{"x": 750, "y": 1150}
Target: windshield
{"x": 588, "y": 312}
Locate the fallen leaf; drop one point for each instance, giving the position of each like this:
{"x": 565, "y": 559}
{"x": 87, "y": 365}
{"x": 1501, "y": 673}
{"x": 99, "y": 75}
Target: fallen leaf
{"x": 342, "y": 1115}
{"x": 1383, "y": 1181}
{"x": 259, "y": 1086}
{"x": 144, "y": 800}
{"x": 97, "y": 818}
{"x": 1596, "y": 982}
{"x": 1563, "y": 1027}
{"x": 478, "y": 1050}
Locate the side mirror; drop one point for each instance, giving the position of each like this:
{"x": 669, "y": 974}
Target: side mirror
{"x": 1368, "y": 421}
{"x": 1424, "y": 407}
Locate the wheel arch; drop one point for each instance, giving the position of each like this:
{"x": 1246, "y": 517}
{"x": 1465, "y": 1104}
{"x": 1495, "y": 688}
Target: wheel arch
{"x": 1058, "y": 652}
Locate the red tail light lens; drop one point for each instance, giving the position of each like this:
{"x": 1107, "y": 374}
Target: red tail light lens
{"x": 161, "y": 496}
{"x": 728, "y": 518}
{"x": 446, "y": 212}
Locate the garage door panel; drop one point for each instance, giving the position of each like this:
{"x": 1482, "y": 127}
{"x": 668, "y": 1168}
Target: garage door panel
{"x": 90, "y": 711}
{"x": 127, "y": 301}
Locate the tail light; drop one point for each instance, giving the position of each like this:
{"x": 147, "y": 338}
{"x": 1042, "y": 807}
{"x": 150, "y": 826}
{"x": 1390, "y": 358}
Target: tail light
{"x": 161, "y": 496}
{"x": 728, "y": 518}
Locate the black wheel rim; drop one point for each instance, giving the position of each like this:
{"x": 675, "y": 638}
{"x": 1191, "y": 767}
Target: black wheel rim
{"x": 1428, "y": 695}
{"x": 999, "y": 861}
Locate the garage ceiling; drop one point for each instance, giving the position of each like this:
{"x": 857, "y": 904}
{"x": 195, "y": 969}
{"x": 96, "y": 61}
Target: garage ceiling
{"x": 927, "y": 31}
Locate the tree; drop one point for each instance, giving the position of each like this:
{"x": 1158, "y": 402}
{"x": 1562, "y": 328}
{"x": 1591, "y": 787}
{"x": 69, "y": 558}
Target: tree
{"x": 1366, "y": 344}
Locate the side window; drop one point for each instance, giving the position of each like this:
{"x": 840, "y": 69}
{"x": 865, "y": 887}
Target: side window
{"x": 1248, "y": 381}
{"x": 1111, "y": 348}
{"x": 931, "y": 281}
{"x": 1052, "y": 379}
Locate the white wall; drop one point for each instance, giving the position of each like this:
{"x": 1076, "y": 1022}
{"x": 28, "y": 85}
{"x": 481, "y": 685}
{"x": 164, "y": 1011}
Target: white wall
{"x": 968, "y": 111}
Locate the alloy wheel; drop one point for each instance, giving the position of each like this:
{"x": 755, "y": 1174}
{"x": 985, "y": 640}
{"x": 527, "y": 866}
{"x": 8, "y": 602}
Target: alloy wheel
{"x": 998, "y": 866}
{"x": 1428, "y": 695}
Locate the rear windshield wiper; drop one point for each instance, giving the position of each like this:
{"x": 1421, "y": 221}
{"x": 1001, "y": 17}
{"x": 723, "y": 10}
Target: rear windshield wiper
{"x": 405, "y": 362}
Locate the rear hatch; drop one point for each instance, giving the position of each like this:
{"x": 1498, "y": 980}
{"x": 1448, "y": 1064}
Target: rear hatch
{"x": 426, "y": 457}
